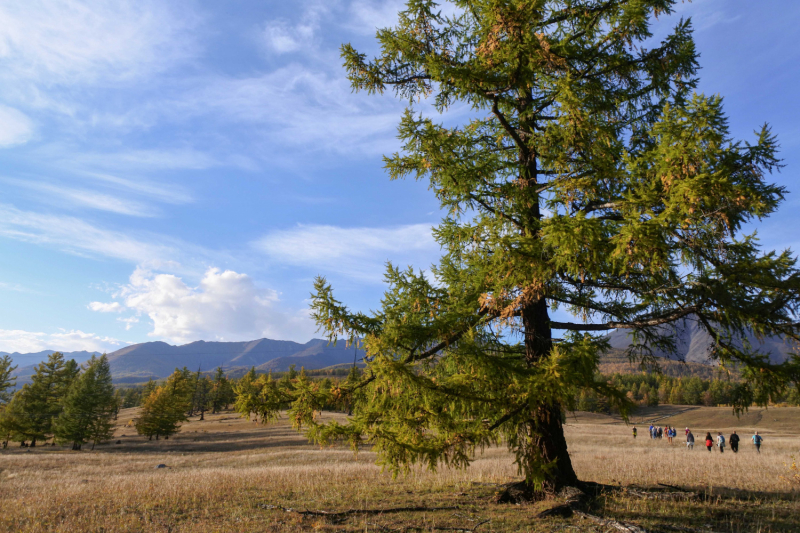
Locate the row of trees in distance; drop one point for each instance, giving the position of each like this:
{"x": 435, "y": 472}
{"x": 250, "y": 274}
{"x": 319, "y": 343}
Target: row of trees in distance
{"x": 77, "y": 405}
{"x": 658, "y": 389}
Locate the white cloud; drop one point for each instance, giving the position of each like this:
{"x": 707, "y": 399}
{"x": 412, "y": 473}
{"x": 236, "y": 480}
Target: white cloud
{"x": 103, "y": 307}
{"x": 15, "y": 127}
{"x": 57, "y": 42}
{"x": 225, "y": 305}
{"x": 281, "y": 37}
{"x": 16, "y": 340}
{"x": 356, "y": 252}
{"x": 129, "y": 322}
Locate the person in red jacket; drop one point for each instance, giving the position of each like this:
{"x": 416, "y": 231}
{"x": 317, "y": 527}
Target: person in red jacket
{"x": 709, "y": 441}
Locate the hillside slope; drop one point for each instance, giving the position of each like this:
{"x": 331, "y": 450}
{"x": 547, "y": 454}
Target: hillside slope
{"x": 158, "y": 359}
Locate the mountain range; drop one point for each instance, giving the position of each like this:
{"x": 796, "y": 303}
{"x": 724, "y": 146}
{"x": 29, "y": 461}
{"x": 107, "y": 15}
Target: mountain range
{"x": 693, "y": 343}
{"x": 139, "y": 362}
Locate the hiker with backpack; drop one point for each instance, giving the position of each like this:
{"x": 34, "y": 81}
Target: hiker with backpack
{"x": 709, "y": 441}
{"x": 734, "y": 442}
{"x": 689, "y": 440}
{"x": 720, "y": 442}
{"x": 757, "y": 440}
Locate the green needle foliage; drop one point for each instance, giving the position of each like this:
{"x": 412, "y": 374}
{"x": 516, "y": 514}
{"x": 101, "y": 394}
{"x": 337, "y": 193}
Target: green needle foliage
{"x": 35, "y": 406}
{"x": 89, "y": 406}
{"x": 6, "y": 381}
{"x": 580, "y": 173}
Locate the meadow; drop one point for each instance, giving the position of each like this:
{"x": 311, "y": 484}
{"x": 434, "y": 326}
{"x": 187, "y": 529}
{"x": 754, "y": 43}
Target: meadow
{"x": 230, "y": 474}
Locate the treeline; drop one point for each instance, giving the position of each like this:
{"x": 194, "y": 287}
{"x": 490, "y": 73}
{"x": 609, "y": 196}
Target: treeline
{"x": 659, "y": 389}
{"x": 74, "y": 404}
{"x": 64, "y": 401}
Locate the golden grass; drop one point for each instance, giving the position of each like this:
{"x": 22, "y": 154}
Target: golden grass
{"x": 222, "y": 472}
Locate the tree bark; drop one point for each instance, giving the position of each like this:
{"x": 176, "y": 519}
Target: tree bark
{"x": 545, "y": 430}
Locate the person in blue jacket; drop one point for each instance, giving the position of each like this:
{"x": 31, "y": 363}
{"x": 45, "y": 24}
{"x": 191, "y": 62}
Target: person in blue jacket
{"x": 757, "y": 440}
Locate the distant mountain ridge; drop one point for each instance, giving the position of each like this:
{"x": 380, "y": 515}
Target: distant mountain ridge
{"x": 693, "y": 343}
{"x": 26, "y": 362}
{"x": 29, "y": 359}
{"x": 158, "y": 359}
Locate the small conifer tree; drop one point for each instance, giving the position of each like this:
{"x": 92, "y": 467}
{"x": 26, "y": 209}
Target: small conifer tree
{"x": 7, "y": 382}
{"x": 162, "y": 413}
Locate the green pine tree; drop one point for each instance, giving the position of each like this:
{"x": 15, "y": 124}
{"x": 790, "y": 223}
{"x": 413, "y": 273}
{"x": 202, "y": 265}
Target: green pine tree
{"x": 89, "y": 406}
{"x": 587, "y": 178}
{"x": 202, "y": 395}
{"x": 222, "y": 394}
{"x": 40, "y": 401}
{"x": 148, "y": 389}
{"x": 6, "y": 380}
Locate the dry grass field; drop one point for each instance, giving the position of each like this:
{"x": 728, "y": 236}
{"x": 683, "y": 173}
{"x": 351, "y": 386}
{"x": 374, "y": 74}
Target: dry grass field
{"x": 228, "y": 474}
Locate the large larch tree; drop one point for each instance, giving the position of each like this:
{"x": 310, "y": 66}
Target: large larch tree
{"x": 582, "y": 177}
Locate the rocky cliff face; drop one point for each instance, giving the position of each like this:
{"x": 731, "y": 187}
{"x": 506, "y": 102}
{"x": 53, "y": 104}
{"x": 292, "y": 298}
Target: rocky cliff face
{"x": 693, "y": 343}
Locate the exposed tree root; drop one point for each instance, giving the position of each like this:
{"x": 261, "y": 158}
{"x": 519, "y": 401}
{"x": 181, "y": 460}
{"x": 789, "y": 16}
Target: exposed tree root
{"x": 520, "y": 492}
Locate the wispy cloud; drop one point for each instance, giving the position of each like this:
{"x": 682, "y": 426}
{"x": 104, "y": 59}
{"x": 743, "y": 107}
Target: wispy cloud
{"x": 77, "y": 236}
{"x": 359, "y": 253}
{"x": 14, "y": 287}
{"x": 65, "y": 196}
{"x": 17, "y": 340}
{"x": 70, "y": 42}
{"x": 105, "y": 307}
{"x": 129, "y": 322}
{"x": 300, "y": 107}
{"x": 165, "y": 193}
{"x": 367, "y": 16}
{"x": 16, "y": 127}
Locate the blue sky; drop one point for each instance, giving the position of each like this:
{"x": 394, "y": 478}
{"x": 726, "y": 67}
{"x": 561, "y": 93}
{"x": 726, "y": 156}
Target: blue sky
{"x": 180, "y": 170}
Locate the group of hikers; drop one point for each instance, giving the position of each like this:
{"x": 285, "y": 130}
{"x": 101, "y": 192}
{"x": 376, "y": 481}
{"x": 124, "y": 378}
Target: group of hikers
{"x": 670, "y": 433}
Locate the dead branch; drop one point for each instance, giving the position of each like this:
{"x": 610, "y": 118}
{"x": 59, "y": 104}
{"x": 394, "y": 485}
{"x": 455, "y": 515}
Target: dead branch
{"x": 673, "y": 487}
{"x": 606, "y": 522}
{"x": 668, "y": 496}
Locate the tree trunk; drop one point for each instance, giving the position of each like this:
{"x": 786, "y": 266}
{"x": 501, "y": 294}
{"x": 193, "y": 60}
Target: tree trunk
{"x": 545, "y": 430}
{"x": 33, "y": 443}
